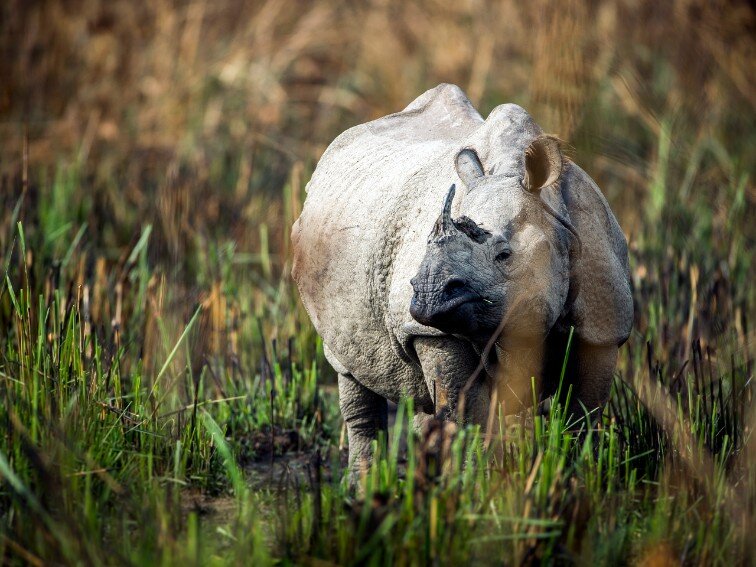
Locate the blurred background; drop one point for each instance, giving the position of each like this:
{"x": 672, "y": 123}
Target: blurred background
{"x": 192, "y": 115}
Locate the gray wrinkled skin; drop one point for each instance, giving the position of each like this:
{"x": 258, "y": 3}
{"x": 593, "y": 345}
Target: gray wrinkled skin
{"x": 406, "y": 298}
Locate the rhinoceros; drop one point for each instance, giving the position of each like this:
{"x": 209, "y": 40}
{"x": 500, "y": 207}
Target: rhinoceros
{"x": 433, "y": 244}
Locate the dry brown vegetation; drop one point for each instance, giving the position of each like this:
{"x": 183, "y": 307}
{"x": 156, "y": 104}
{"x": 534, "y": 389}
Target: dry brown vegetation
{"x": 150, "y": 95}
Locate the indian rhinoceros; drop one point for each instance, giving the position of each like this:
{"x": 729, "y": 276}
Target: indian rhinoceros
{"x": 433, "y": 243}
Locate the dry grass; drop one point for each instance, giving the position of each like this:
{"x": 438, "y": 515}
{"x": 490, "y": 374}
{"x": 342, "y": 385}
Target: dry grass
{"x": 176, "y": 85}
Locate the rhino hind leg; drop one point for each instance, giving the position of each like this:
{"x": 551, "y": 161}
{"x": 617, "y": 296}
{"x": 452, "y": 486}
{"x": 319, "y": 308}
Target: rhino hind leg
{"x": 366, "y": 415}
{"x": 592, "y": 381}
{"x": 588, "y": 378}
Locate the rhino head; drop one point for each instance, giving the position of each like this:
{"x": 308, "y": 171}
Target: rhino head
{"x": 503, "y": 265}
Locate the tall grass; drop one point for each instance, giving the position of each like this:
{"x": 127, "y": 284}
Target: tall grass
{"x": 100, "y": 445}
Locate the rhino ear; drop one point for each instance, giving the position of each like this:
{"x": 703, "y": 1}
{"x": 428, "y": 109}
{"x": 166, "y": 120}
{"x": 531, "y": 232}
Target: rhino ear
{"x": 543, "y": 163}
{"x": 468, "y": 166}
{"x": 602, "y": 301}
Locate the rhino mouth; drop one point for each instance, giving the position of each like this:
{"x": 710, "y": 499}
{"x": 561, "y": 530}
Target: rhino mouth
{"x": 454, "y": 302}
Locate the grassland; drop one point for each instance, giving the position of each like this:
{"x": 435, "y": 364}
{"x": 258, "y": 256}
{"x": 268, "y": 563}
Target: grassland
{"x": 164, "y": 398}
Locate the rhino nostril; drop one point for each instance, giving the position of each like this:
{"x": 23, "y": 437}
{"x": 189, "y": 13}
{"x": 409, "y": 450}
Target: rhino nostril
{"x": 454, "y": 286}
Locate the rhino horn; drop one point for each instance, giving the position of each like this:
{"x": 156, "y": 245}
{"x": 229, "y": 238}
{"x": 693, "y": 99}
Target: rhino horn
{"x": 445, "y": 225}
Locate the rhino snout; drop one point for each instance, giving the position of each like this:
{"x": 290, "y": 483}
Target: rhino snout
{"x": 439, "y": 304}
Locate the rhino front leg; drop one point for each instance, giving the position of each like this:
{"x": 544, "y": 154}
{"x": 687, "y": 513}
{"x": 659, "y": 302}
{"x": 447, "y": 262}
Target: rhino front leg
{"x": 365, "y": 414}
{"x": 447, "y": 364}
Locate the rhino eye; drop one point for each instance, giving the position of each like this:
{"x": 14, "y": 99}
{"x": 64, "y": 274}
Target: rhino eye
{"x": 504, "y": 253}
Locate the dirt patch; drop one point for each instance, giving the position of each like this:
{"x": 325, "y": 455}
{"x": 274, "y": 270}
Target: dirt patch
{"x": 282, "y": 472}
{"x": 219, "y": 508}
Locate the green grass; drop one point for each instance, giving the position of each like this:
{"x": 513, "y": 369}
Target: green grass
{"x": 98, "y": 447}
